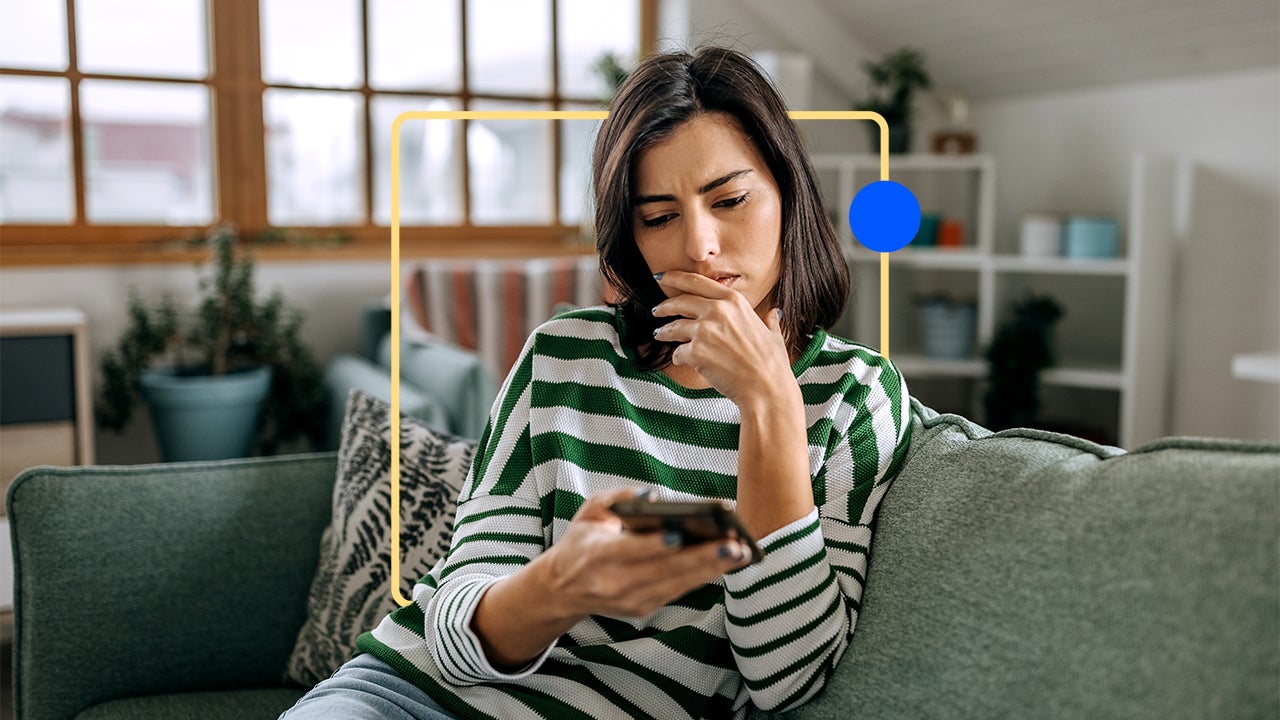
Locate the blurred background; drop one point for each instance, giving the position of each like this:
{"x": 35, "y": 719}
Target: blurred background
{"x": 1120, "y": 160}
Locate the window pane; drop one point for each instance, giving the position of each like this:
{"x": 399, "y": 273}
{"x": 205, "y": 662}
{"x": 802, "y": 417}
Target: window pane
{"x": 577, "y": 138}
{"x": 509, "y": 46}
{"x": 35, "y": 151}
{"x": 415, "y": 44}
{"x": 510, "y": 164}
{"x": 33, "y": 35}
{"x": 113, "y": 38}
{"x": 315, "y": 157}
{"x": 430, "y": 163}
{"x": 588, "y": 29}
{"x": 146, "y": 152}
{"x": 311, "y": 42}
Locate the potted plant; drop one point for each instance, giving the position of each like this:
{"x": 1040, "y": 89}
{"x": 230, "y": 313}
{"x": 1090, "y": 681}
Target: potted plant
{"x": 205, "y": 374}
{"x": 893, "y": 81}
{"x": 1020, "y": 349}
{"x": 610, "y": 68}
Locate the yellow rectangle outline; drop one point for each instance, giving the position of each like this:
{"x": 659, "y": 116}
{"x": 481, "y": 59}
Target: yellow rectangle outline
{"x": 404, "y": 117}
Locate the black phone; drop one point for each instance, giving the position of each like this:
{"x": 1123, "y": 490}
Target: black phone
{"x": 695, "y": 521}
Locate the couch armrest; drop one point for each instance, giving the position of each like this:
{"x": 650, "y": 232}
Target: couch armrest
{"x": 346, "y": 372}
{"x": 134, "y": 580}
{"x": 452, "y": 375}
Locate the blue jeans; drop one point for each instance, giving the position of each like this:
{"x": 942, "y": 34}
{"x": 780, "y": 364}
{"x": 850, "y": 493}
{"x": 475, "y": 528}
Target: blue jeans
{"x": 366, "y": 688}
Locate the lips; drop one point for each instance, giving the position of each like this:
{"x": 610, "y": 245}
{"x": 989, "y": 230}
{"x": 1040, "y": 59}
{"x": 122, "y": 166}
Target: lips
{"x": 725, "y": 280}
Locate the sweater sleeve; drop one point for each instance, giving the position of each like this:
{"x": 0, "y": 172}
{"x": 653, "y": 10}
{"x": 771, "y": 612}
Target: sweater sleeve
{"x": 790, "y": 617}
{"x": 498, "y": 529}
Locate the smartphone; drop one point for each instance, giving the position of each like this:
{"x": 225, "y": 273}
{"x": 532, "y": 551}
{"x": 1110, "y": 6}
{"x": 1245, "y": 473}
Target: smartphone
{"x": 695, "y": 521}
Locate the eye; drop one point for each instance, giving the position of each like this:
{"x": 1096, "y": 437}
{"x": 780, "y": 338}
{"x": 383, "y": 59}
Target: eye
{"x": 733, "y": 201}
{"x": 658, "y": 221}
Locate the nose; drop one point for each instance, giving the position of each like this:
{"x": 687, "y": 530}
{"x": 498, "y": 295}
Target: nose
{"x": 702, "y": 236}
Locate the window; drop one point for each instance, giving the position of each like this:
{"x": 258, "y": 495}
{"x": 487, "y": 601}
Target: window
{"x": 117, "y": 133}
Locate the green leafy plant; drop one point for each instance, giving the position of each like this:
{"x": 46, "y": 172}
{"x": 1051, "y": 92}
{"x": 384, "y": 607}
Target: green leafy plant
{"x": 229, "y": 330}
{"x": 1020, "y": 349}
{"x": 894, "y": 79}
{"x": 609, "y": 66}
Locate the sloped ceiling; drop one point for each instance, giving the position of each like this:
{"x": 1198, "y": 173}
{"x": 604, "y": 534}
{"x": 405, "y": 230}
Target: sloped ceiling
{"x": 992, "y": 48}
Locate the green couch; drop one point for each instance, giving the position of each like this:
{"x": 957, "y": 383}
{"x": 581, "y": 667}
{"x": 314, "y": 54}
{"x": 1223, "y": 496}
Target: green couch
{"x": 1021, "y": 574}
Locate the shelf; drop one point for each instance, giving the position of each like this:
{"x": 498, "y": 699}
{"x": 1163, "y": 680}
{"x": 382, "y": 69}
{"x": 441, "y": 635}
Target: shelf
{"x": 1095, "y": 377}
{"x": 1115, "y": 332}
{"x": 965, "y": 258}
{"x": 911, "y": 161}
{"x": 1263, "y": 367}
{"x": 924, "y": 366}
{"x": 1060, "y": 266}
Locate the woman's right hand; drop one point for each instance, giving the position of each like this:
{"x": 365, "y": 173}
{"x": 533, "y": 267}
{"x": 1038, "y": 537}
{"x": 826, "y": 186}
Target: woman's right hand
{"x": 598, "y": 568}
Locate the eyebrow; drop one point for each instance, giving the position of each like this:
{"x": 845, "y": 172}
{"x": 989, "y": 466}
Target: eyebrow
{"x": 645, "y": 199}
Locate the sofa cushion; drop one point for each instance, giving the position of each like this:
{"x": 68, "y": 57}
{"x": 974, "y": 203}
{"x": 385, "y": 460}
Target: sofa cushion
{"x": 231, "y": 704}
{"x": 148, "y": 579}
{"x": 350, "y": 593}
{"x": 1029, "y": 574}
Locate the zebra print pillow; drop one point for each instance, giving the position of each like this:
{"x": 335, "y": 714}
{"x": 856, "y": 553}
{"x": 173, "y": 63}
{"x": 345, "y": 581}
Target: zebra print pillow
{"x": 350, "y": 593}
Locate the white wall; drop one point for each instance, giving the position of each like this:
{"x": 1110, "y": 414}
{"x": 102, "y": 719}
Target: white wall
{"x": 747, "y": 26}
{"x": 330, "y": 293}
{"x": 1070, "y": 151}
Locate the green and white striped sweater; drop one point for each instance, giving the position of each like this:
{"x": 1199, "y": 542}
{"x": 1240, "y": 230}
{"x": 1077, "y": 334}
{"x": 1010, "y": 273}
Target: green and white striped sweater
{"x": 577, "y": 416}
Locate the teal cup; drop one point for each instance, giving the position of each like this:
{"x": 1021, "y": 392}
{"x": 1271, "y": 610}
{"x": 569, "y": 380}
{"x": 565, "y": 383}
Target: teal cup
{"x": 927, "y": 235}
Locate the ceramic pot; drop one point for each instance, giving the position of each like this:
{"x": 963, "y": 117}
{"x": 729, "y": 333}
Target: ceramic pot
{"x": 202, "y": 417}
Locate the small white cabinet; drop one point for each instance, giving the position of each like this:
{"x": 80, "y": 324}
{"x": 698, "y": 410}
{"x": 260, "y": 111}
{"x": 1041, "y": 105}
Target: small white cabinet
{"x": 1111, "y": 342}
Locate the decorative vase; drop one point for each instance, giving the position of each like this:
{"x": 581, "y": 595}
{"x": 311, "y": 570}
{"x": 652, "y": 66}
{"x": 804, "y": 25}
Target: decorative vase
{"x": 203, "y": 417}
{"x": 948, "y": 329}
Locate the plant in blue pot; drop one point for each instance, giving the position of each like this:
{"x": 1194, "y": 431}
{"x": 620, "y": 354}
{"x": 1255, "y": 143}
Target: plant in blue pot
{"x": 223, "y": 380}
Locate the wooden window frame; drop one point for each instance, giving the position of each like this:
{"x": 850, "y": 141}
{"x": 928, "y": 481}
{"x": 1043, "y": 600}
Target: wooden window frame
{"x": 236, "y": 89}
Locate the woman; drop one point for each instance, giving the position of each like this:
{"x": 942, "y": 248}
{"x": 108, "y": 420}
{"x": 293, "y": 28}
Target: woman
{"x": 711, "y": 378}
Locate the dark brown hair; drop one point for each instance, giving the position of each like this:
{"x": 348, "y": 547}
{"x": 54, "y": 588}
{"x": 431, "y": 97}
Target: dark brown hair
{"x": 661, "y": 94}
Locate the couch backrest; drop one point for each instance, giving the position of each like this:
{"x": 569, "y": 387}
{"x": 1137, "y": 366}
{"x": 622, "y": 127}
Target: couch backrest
{"x": 1028, "y": 574}
{"x": 106, "y": 601}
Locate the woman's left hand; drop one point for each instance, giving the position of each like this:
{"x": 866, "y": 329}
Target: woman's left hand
{"x": 722, "y": 337}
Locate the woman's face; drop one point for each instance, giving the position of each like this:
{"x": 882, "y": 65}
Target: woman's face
{"x": 705, "y": 202}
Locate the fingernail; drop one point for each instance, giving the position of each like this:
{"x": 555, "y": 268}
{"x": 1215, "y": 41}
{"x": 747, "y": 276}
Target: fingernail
{"x": 658, "y": 276}
{"x": 644, "y": 494}
{"x": 671, "y": 539}
{"x": 777, "y": 312}
{"x": 727, "y": 551}
{"x": 655, "y": 331}
{"x": 653, "y": 310}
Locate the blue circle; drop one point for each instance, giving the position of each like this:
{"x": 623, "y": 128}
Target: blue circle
{"x": 884, "y": 216}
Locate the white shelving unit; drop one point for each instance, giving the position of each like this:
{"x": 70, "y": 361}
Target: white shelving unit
{"x": 1113, "y": 343}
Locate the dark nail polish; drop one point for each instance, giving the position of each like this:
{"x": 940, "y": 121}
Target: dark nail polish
{"x": 727, "y": 551}
{"x": 658, "y": 276}
{"x": 644, "y": 494}
{"x": 671, "y": 539}
{"x": 653, "y": 310}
